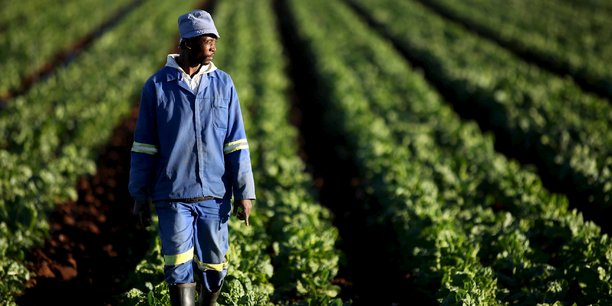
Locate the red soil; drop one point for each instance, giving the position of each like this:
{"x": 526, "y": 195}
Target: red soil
{"x": 95, "y": 242}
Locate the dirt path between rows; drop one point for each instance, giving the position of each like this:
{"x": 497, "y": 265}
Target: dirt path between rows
{"x": 95, "y": 242}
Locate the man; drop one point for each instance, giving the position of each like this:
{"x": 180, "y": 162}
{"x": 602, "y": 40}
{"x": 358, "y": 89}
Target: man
{"x": 190, "y": 155}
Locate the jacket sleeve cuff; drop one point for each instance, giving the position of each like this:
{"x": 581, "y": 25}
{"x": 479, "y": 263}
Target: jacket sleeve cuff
{"x": 245, "y": 189}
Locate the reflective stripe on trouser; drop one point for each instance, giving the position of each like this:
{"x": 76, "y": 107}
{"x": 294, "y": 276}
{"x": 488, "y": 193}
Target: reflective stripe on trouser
{"x": 194, "y": 239}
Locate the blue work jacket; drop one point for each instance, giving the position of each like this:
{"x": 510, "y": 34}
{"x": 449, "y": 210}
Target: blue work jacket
{"x": 189, "y": 145}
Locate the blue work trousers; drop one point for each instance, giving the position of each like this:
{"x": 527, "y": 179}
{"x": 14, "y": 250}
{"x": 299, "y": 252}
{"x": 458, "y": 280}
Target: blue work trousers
{"x": 194, "y": 238}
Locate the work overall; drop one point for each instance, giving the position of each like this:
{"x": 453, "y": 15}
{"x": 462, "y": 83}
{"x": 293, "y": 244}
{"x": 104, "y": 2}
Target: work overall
{"x": 194, "y": 239}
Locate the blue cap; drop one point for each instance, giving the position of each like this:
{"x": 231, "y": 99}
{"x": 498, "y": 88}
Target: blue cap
{"x": 196, "y": 23}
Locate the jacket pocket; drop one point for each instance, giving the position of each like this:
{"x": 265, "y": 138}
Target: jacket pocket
{"x": 220, "y": 113}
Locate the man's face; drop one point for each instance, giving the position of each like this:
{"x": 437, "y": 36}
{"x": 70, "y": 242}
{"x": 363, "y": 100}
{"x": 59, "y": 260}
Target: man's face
{"x": 203, "y": 48}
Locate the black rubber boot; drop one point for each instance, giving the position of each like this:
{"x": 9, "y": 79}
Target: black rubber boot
{"x": 209, "y": 298}
{"x": 182, "y": 294}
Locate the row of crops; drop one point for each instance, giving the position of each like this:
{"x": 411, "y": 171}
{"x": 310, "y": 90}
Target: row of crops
{"x": 30, "y": 38}
{"x": 541, "y": 31}
{"x": 563, "y": 128}
{"x": 473, "y": 226}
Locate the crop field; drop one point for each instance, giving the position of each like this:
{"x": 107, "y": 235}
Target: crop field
{"x": 414, "y": 152}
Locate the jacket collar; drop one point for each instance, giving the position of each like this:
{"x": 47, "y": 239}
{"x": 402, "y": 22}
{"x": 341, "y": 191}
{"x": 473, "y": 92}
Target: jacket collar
{"x": 171, "y": 62}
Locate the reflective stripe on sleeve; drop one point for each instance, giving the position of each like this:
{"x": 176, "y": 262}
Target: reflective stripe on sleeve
{"x": 234, "y": 146}
{"x": 173, "y": 260}
{"x": 144, "y": 148}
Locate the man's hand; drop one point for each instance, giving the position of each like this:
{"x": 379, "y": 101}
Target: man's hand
{"x": 242, "y": 210}
{"x": 143, "y": 212}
